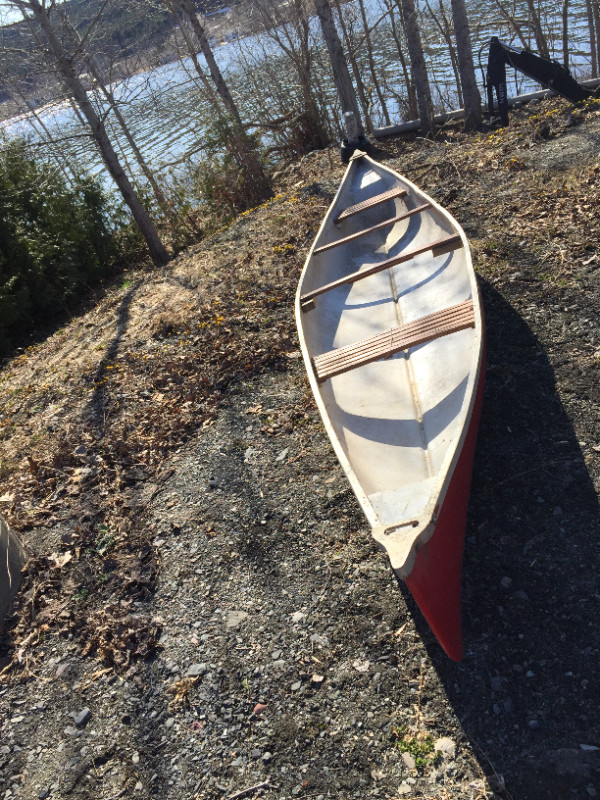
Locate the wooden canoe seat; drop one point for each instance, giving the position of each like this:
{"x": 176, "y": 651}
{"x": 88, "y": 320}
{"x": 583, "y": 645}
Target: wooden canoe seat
{"x": 386, "y": 223}
{"x": 438, "y": 248}
{"x": 371, "y": 203}
{"x": 386, "y": 344}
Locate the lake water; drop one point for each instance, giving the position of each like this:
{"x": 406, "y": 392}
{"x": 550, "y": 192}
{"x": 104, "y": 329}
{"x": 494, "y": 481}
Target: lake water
{"x": 165, "y": 111}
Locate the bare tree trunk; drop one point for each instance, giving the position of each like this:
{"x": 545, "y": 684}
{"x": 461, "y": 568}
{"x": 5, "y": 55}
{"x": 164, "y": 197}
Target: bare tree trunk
{"x": 593, "y": 52}
{"x": 371, "y": 61}
{"x": 341, "y": 76}
{"x": 445, "y": 30}
{"x": 417, "y": 62}
{"x": 540, "y": 39}
{"x": 187, "y": 7}
{"x": 254, "y": 176}
{"x": 596, "y": 15}
{"x": 512, "y": 22}
{"x": 411, "y": 95}
{"x": 311, "y": 127}
{"x": 114, "y": 107}
{"x": 64, "y": 64}
{"x": 471, "y": 96}
{"x": 360, "y": 86}
{"x": 565, "y": 32}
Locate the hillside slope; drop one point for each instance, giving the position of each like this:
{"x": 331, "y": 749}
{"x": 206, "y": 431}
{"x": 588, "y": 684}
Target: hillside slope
{"x": 201, "y": 579}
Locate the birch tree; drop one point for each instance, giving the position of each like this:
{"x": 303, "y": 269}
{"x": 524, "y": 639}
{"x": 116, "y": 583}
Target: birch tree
{"x": 64, "y": 64}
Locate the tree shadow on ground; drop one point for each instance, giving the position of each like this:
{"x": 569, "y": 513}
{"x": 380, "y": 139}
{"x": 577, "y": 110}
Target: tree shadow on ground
{"x": 96, "y": 410}
{"x": 527, "y": 689}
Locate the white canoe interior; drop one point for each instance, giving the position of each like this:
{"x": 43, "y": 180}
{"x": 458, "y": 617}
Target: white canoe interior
{"x": 397, "y": 423}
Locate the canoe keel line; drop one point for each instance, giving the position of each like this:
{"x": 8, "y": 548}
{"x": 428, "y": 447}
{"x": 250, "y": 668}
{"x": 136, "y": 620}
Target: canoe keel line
{"x": 391, "y": 330}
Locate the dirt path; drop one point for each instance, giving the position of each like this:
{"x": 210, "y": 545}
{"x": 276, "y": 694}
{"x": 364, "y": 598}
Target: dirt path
{"x": 205, "y": 615}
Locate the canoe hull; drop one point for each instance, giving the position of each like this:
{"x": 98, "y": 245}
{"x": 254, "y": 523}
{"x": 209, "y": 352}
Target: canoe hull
{"x": 436, "y": 578}
{"x": 391, "y": 330}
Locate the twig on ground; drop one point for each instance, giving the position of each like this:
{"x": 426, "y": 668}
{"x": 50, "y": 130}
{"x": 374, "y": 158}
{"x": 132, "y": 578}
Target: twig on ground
{"x": 250, "y": 790}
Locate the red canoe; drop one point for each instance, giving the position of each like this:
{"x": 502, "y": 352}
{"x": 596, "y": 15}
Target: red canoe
{"x": 392, "y": 332}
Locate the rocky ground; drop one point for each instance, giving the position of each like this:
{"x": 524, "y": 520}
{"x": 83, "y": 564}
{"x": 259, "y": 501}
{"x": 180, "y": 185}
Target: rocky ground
{"x": 204, "y": 614}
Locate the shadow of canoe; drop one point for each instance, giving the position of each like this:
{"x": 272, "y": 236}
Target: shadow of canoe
{"x": 527, "y": 689}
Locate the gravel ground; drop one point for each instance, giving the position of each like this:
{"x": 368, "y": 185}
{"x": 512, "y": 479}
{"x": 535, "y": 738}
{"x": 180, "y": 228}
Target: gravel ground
{"x": 260, "y": 647}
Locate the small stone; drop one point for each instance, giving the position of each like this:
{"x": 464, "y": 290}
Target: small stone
{"x": 409, "y": 760}
{"x": 71, "y": 731}
{"x": 195, "y": 670}
{"x": 297, "y": 617}
{"x": 590, "y": 790}
{"x": 82, "y": 719}
{"x": 235, "y": 618}
{"x": 296, "y": 686}
{"x": 267, "y": 757}
{"x": 496, "y": 683}
{"x": 317, "y": 680}
{"x": 533, "y": 724}
{"x": 259, "y": 708}
{"x": 506, "y": 582}
{"x": 445, "y": 746}
{"x": 283, "y": 454}
{"x": 135, "y": 758}
{"x": 361, "y": 665}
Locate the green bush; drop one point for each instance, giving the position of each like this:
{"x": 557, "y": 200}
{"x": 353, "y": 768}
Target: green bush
{"x": 55, "y": 239}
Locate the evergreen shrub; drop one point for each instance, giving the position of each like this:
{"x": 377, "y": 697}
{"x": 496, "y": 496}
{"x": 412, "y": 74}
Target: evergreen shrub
{"x": 55, "y": 239}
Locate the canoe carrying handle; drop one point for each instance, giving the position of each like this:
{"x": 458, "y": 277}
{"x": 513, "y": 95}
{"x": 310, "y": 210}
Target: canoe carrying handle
{"x": 383, "y": 345}
{"x": 371, "y": 202}
{"x": 395, "y": 528}
{"x": 438, "y": 248}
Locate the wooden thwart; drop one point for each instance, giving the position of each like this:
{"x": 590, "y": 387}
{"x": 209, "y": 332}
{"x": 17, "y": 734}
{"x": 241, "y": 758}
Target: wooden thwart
{"x": 386, "y": 344}
{"x": 371, "y": 203}
{"x": 386, "y": 223}
{"x": 438, "y": 248}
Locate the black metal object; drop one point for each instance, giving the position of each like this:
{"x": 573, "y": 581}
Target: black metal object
{"x": 548, "y": 73}
{"x": 347, "y": 149}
